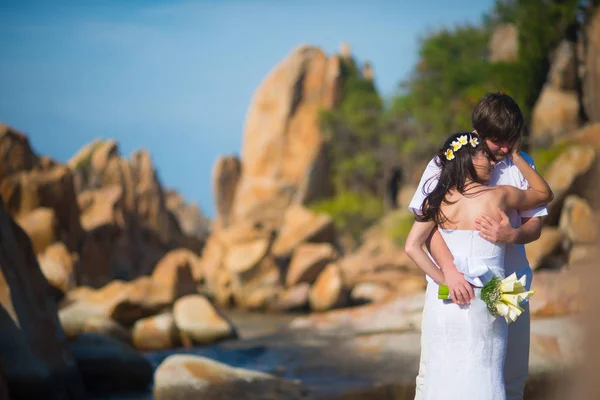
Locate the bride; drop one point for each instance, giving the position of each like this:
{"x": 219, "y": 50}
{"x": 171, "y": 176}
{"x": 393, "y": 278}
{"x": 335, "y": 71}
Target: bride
{"x": 466, "y": 344}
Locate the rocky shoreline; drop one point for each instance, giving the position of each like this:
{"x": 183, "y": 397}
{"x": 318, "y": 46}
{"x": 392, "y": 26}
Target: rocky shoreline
{"x": 341, "y": 364}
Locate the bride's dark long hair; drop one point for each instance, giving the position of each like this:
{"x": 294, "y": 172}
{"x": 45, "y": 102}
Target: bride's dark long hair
{"x": 456, "y": 168}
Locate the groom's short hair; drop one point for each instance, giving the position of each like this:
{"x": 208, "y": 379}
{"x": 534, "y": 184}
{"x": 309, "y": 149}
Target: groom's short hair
{"x": 497, "y": 117}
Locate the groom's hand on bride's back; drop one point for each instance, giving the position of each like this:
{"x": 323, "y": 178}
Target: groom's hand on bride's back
{"x": 461, "y": 291}
{"x": 495, "y": 229}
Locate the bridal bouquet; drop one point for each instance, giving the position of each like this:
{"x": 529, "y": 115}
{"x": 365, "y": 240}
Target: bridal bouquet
{"x": 502, "y": 297}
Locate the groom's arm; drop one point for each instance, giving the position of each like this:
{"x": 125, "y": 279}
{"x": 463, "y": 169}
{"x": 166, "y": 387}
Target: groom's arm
{"x": 498, "y": 229}
{"x": 501, "y": 231}
{"x": 530, "y": 231}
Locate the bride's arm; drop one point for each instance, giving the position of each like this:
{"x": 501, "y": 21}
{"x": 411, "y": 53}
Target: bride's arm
{"x": 419, "y": 233}
{"x": 540, "y": 192}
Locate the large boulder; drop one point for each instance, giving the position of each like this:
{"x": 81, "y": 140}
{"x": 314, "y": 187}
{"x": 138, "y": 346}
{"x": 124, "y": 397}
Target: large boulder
{"x": 37, "y": 362}
{"x": 158, "y": 332}
{"x": 328, "y": 290}
{"x": 187, "y": 377}
{"x": 555, "y": 114}
{"x": 199, "y": 322}
{"x": 308, "y": 261}
{"x": 178, "y": 271}
{"x": 282, "y": 140}
{"x": 302, "y": 225}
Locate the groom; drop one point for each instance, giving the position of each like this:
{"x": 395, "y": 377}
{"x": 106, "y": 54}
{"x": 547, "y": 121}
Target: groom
{"x": 499, "y": 122}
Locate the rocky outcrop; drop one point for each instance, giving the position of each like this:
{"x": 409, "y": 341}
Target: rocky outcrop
{"x": 282, "y": 140}
{"x": 111, "y": 214}
{"x": 130, "y": 220}
{"x": 36, "y": 359}
{"x": 28, "y": 183}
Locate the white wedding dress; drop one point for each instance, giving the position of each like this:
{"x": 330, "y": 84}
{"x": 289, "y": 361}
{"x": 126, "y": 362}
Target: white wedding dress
{"x": 466, "y": 344}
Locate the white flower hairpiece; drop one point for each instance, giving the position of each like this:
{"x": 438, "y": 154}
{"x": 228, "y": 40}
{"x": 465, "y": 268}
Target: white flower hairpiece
{"x": 459, "y": 143}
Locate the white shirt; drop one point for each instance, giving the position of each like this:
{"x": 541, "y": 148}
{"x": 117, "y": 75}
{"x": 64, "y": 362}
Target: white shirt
{"x": 505, "y": 173}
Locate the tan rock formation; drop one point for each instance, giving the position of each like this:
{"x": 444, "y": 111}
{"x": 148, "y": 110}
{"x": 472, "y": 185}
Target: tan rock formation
{"x": 156, "y": 333}
{"x": 578, "y": 221}
{"x": 129, "y": 223}
{"x": 308, "y": 261}
{"x": 555, "y": 114}
{"x": 328, "y": 291}
{"x": 178, "y": 271}
{"x": 566, "y": 173}
{"x": 143, "y": 297}
{"x": 293, "y": 298}
{"x": 199, "y": 322}
{"x": 282, "y": 139}
{"x": 301, "y": 225}
{"x": 41, "y": 225}
{"x": 243, "y": 258}
{"x": 57, "y": 264}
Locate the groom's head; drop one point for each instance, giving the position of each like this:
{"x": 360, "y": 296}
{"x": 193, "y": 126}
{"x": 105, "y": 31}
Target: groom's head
{"x": 498, "y": 120}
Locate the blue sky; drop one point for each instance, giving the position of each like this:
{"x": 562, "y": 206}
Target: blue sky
{"x": 176, "y": 77}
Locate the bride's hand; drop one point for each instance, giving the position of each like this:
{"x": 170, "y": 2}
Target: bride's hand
{"x": 460, "y": 290}
{"x": 516, "y": 148}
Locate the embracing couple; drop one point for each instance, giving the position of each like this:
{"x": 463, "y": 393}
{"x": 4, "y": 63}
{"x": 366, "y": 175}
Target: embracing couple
{"x": 478, "y": 202}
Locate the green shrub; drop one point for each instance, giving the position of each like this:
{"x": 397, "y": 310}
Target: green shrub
{"x": 351, "y": 212}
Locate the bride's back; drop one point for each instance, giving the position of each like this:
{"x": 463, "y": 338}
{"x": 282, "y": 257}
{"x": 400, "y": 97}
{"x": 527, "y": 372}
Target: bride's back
{"x": 466, "y": 208}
